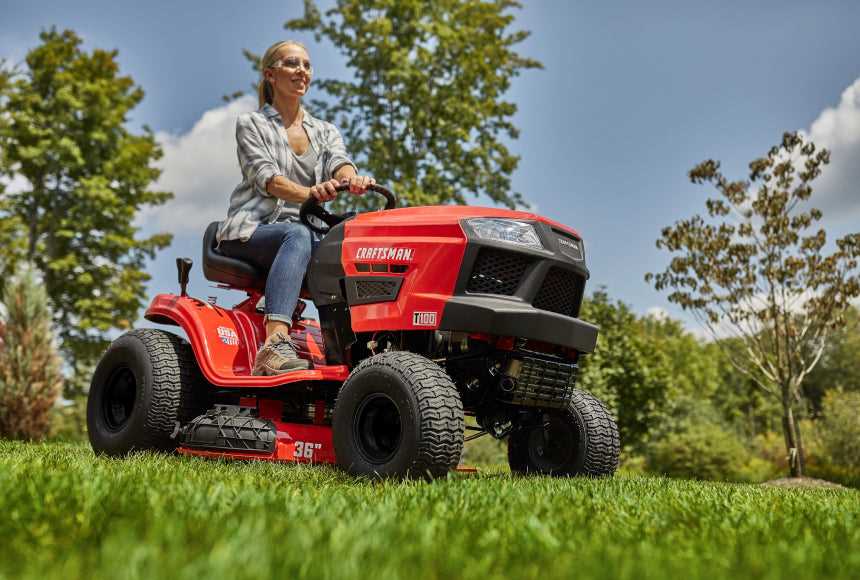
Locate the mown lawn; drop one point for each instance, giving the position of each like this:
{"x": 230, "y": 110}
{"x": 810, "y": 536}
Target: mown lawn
{"x": 66, "y": 514}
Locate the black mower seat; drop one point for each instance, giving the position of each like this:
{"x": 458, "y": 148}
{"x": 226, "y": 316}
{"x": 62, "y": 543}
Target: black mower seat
{"x": 219, "y": 268}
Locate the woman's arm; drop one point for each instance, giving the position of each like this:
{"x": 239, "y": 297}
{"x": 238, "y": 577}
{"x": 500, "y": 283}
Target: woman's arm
{"x": 283, "y": 188}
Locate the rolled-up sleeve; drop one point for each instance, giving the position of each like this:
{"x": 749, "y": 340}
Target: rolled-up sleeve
{"x": 337, "y": 152}
{"x": 255, "y": 160}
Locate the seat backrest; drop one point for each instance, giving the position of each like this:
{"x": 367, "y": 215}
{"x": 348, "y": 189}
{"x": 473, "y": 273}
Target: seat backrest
{"x": 219, "y": 268}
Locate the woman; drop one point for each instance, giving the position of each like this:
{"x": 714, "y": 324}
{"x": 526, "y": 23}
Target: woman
{"x": 286, "y": 156}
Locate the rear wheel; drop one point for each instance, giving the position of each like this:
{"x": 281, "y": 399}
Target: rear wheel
{"x": 398, "y": 415}
{"x": 146, "y": 381}
{"x": 580, "y": 440}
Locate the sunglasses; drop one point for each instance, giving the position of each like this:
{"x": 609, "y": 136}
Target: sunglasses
{"x": 293, "y": 64}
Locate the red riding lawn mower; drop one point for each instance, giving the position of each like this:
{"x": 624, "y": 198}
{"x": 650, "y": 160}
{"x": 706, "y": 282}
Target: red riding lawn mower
{"x": 426, "y": 314}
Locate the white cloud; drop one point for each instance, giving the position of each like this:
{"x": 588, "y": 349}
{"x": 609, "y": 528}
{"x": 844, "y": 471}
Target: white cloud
{"x": 837, "y": 191}
{"x": 657, "y": 313}
{"x": 201, "y": 170}
{"x": 17, "y": 184}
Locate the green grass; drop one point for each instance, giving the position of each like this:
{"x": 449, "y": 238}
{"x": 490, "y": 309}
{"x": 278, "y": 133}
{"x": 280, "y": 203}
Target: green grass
{"x": 67, "y": 514}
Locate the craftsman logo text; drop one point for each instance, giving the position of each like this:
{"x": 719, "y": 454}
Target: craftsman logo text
{"x": 397, "y": 254}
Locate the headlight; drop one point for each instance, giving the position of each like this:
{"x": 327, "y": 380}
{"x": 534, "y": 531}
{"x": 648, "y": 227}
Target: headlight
{"x": 508, "y": 231}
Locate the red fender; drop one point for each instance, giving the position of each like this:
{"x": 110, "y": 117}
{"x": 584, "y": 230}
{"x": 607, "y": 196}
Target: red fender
{"x": 225, "y": 341}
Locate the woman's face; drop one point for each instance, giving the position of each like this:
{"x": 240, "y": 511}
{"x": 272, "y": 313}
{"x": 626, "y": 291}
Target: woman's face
{"x": 291, "y": 74}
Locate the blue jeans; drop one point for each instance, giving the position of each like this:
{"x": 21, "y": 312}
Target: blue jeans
{"x": 283, "y": 249}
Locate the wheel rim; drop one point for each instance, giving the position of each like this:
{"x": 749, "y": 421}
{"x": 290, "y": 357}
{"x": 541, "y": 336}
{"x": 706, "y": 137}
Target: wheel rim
{"x": 377, "y": 428}
{"x": 553, "y": 445}
{"x": 119, "y": 397}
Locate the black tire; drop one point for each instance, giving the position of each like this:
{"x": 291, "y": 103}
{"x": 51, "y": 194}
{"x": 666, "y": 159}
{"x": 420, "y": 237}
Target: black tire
{"x": 146, "y": 381}
{"x": 580, "y": 440}
{"x": 398, "y": 415}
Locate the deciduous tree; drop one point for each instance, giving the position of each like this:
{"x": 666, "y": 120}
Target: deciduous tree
{"x": 64, "y": 133}
{"x": 754, "y": 271}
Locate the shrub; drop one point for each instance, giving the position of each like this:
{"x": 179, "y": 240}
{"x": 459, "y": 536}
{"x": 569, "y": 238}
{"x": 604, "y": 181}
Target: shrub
{"x": 839, "y": 427}
{"x": 703, "y": 450}
{"x": 485, "y": 451}
{"x": 30, "y": 375}
{"x": 69, "y": 420}
{"x": 836, "y": 439}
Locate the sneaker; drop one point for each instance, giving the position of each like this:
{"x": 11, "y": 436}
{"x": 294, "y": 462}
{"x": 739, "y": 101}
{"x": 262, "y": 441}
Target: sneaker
{"x": 278, "y": 357}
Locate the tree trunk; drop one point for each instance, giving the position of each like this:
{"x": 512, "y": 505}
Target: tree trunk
{"x": 801, "y": 450}
{"x": 32, "y": 234}
{"x": 789, "y": 429}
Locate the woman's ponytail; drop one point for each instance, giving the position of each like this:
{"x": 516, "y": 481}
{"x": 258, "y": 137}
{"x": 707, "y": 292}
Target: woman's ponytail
{"x": 264, "y": 92}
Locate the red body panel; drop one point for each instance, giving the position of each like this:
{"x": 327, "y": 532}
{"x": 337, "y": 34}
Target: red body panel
{"x": 433, "y": 254}
{"x": 434, "y": 242}
{"x": 225, "y": 341}
{"x": 440, "y": 215}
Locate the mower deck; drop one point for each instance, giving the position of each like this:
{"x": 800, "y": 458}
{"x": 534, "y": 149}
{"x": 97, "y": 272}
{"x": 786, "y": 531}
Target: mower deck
{"x": 295, "y": 443}
{"x": 291, "y": 442}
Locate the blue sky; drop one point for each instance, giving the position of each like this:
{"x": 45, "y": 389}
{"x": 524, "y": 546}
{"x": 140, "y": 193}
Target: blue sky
{"x": 632, "y": 95}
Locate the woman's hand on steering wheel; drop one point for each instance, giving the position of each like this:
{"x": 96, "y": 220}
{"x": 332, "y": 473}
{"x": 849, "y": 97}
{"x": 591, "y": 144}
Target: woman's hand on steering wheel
{"x": 358, "y": 184}
{"x": 325, "y": 191}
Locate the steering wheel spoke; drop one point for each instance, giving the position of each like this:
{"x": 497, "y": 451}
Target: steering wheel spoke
{"x": 312, "y": 207}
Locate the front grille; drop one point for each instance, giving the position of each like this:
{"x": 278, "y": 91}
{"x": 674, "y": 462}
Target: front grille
{"x": 497, "y": 272}
{"x": 375, "y": 288}
{"x": 560, "y": 292}
{"x": 543, "y": 383}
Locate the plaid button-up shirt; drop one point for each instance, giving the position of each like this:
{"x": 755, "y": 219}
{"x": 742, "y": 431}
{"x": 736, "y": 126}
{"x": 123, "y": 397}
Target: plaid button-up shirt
{"x": 263, "y": 150}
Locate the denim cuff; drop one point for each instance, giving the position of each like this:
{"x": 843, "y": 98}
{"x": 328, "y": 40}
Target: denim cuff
{"x": 279, "y": 318}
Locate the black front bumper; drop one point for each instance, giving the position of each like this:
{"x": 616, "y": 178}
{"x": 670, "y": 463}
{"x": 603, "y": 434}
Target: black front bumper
{"x": 505, "y": 317}
{"x": 508, "y": 290}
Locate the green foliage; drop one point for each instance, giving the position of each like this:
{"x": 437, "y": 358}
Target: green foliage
{"x": 423, "y": 108}
{"x": 737, "y": 400}
{"x": 30, "y": 377}
{"x": 836, "y": 437}
{"x": 699, "y": 451}
{"x": 486, "y": 451}
{"x": 64, "y": 131}
{"x": 754, "y": 268}
{"x": 840, "y": 362}
{"x": 70, "y": 514}
{"x": 69, "y": 421}
{"x": 641, "y": 366}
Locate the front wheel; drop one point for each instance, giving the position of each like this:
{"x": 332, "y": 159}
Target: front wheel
{"x": 398, "y": 415}
{"x": 580, "y": 440}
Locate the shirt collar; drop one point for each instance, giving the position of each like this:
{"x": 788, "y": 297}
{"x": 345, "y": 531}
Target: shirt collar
{"x": 273, "y": 114}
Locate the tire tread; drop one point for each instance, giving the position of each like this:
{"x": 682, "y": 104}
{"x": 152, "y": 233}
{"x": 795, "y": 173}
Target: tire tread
{"x": 440, "y": 410}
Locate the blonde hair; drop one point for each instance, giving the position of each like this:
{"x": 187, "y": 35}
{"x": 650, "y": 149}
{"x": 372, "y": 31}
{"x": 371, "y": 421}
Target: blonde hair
{"x": 264, "y": 89}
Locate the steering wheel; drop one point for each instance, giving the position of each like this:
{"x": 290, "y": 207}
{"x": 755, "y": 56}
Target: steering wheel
{"x": 312, "y": 207}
